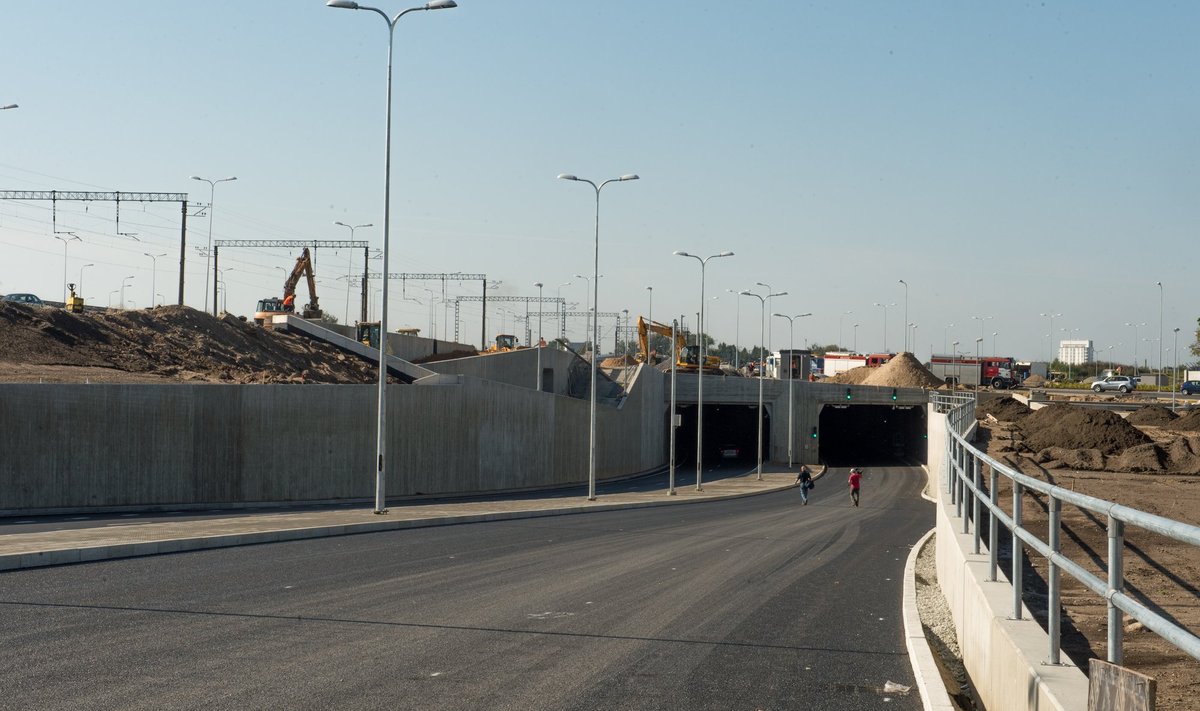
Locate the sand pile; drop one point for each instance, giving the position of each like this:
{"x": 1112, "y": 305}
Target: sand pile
{"x": 854, "y": 376}
{"x": 173, "y": 342}
{"x": 1034, "y": 381}
{"x": 621, "y": 361}
{"x": 1005, "y": 409}
{"x": 1152, "y": 415}
{"x": 902, "y": 371}
{"x": 1189, "y": 421}
{"x": 1070, "y": 427}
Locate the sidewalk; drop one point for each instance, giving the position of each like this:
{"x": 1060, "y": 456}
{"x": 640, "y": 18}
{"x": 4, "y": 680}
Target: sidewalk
{"x": 79, "y": 545}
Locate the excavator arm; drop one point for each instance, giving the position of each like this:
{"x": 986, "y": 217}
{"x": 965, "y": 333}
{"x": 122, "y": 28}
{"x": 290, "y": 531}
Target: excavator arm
{"x": 304, "y": 268}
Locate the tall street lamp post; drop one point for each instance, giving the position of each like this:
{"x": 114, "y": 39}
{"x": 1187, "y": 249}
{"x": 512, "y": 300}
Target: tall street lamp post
{"x": 1051, "y": 315}
{"x": 981, "y": 320}
{"x": 885, "y": 308}
{"x": 81, "y": 280}
{"x": 855, "y": 338}
{"x": 212, "y": 190}
{"x": 703, "y": 350}
{"x": 587, "y": 307}
{"x": 123, "y": 281}
{"x": 791, "y": 379}
{"x": 906, "y": 348}
{"x": 67, "y": 238}
{"x": 154, "y": 274}
{"x": 737, "y": 333}
{"x": 1175, "y": 370}
{"x": 762, "y": 335}
{"x": 538, "y": 385}
{"x": 1135, "y": 342}
{"x": 650, "y": 318}
{"x": 770, "y": 331}
{"x": 595, "y": 284}
{"x": 349, "y": 266}
{"x": 1160, "y": 330}
{"x": 381, "y": 423}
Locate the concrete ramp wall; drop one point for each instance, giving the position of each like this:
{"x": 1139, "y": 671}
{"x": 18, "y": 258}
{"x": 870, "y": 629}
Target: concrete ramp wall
{"x": 66, "y": 447}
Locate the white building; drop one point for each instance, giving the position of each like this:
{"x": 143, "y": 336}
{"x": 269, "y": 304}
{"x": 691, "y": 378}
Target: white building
{"x": 1076, "y": 352}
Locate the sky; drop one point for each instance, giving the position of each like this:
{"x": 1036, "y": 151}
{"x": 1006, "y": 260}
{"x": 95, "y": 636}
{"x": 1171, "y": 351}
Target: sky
{"x": 1008, "y": 161}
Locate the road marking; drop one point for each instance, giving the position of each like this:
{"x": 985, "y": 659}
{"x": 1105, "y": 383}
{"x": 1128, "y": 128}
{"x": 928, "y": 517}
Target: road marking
{"x": 27, "y": 521}
{"x": 81, "y": 518}
{"x": 129, "y": 515}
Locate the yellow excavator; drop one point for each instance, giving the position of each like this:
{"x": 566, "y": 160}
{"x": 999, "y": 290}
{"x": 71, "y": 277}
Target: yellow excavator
{"x": 270, "y": 306}
{"x": 688, "y": 359}
{"x": 504, "y": 342}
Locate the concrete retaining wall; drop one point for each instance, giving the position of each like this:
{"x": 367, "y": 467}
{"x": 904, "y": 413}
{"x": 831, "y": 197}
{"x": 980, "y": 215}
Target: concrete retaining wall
{"x": 81, "y": 446}
{"x": 1004, "y": 657}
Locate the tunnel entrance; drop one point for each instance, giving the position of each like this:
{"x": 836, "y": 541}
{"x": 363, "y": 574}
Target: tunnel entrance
{"x": 725, "y": 427}
{"x": 872, "y": 435}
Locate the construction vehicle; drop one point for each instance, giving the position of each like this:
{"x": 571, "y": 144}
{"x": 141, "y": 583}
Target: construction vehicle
{"x": 367, "y": 333}
{"x": 504, "y": 342}
{"x": 271, "y": 306}
{"x": 74, "y": 303}
{"x": 688, "y": 357}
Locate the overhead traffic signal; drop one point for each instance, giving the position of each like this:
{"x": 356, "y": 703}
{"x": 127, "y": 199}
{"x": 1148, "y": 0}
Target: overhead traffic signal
{"x": 814, "y": 432}
{"x": 847, "y": 393}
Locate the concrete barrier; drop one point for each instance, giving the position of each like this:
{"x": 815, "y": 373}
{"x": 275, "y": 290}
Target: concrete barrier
{"x": 1004, "y": 657}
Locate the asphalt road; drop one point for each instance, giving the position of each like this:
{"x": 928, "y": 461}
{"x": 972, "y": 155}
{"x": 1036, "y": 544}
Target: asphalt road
{"x": 757, "y": 603}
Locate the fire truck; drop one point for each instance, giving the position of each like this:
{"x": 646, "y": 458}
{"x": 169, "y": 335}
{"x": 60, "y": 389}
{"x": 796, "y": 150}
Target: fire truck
{"x": 998, "y": 371}
{"x": 839, "y": 361}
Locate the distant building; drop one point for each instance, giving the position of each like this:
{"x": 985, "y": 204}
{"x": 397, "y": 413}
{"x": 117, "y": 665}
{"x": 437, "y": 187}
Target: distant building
{"x": 1076, "y": 352}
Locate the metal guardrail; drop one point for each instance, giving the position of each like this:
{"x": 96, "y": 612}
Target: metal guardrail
{"x": 963, "y": 482}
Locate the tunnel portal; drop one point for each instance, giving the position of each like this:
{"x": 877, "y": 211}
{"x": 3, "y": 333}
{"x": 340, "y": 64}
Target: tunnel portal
{"x": 724, "y": 426}
{"x": 872, "y": 435}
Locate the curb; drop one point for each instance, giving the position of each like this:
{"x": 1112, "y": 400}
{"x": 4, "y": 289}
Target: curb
{"x": 934, "y": 696}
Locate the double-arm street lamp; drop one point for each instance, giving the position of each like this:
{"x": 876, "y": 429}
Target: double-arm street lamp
{"x": 538, "y": 384}
{"x": 595, "y": 284}
{"x": 123, "y": 281}
{"x": 791, "y": 377}
{"x": 1160, "y": 331}
{"x": 703, "y": 353}
{"x": 67, "y": 238}
{"x": 906, "y": 324}
{"x": 212, "y": 191}
{"x": 762, "y": 335}
{"x": 154, "y": 274}
{"x": 885, "y": 308}
{"x": 381, "y": 423}
{"x": 349, "y": 266}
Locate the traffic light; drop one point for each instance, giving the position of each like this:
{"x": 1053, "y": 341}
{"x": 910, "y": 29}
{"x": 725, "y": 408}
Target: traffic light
{"x": 893, "y": 393}
{"x": 847, "y": 393}
{"x": 814, "y": 434}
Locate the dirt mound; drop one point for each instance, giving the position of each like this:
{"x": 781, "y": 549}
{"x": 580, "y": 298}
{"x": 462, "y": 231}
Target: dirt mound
{"x": 1034, "y": 381}
{"x": 1005, "y": 409}
{"x": 621, "y": 361}
{"x": 854, "y": 376}
{"x": 1142, "y": 459}
{"x": 1153, "y": 415}
{"x": 1071, "y": 427}
{"x": 903, "y": 371}
{"x": 174, "y": 342}
{"x": 1189, "y": 421}
{"x": 1082, "y": 459}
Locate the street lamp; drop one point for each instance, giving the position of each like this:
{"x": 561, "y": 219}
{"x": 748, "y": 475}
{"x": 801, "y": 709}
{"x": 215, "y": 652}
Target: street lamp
{"x": 737, "y": 334}
{"x": 538, "y": 384}
{"x": 650, "y": 318}
{"x": 595, "y": 284}
{"x": 981, "y": 319}
{"x": 1051, "y": 315}
{"x": 761, "y": 363}
{"x": 1160, "y": 331}
{"x": 905, "y": 316}
{"x": 855, "y": 349}
{"x": 212, "y": 190}
{"x": 587, "y": 308}
{"x": 957, "y": 366}
{"x": 110, "y": 295}
{"x": 885, "y": 308}
{"x": 81, "y": 280}
{"x": 123, "y": 290}
{"x": 66, "y": 241}
{"x": 703, "y": 352}
{"x": 349, "y": 266}
{"x": 154, "y": 274}
{"x": 8, "y": 106}
{"x": 381, "y": 432}
{"x": 770, "y": 331}
{"x": 994, "y": 351}
{"x": 1135, "y": 342}
{"x": 791, "y": 378}
{"x": 1175, "y": 370}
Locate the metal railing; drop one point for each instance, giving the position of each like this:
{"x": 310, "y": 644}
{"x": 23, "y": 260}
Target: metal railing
{"x": 963, "y": 482}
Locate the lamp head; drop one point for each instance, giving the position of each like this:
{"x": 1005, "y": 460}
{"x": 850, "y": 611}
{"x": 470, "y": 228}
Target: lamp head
{"x": 724, "y": 254}
{"x": 747, "y": 293}
{"x": 344, "y": 4}
{"x": 630, "y": 176}
{"x": 566, "y": 176}
{"x": 680, "y": 253}
{"x": 440, "y": 5}
{"x": 195, "y": 177}
{"x": 538, "y": 284}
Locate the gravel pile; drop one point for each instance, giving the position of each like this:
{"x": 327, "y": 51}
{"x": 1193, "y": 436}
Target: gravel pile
{"x": 1153, "y": 415}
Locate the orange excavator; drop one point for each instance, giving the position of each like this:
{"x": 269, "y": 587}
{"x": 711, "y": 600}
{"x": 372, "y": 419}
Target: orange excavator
{"x": 270, "y": 306}
{"x": 688, "y": 360}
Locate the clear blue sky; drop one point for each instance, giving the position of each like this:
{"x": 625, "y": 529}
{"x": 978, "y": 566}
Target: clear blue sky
{"x": 1004, "y": 159}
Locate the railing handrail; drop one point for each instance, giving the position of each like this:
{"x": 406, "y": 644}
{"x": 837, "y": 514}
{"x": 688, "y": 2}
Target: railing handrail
{"x": 963, "y": 458}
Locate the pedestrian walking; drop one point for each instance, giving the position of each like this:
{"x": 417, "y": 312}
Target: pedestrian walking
{"x": 855, "y": 483}
{"x": 805, "y": 480}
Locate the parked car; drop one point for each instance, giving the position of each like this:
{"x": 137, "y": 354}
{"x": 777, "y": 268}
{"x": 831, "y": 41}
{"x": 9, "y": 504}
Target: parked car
{"x": 730, "y": 451}
{"x": 1190, "y": 387}
{"x": 1120, "y": 383}
{"x": 24, "y": 299}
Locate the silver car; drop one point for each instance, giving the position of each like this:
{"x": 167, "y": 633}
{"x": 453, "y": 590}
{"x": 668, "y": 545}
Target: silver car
{"x": 1120, "y": 383}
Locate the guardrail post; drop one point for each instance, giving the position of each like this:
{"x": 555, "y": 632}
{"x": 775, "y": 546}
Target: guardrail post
{"x": 977, "y": 480}
{"x": 993, "y": 527}
{"x": 1017, "y": 552}
{"x": 1116, "y": 574}
{"x": 958, "y": 467}
{"x": 1053, "y": 610}
{"x": 968, "y": 465}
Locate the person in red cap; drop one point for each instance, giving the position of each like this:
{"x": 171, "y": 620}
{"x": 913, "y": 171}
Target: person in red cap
{"x": 855, "y": 482}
